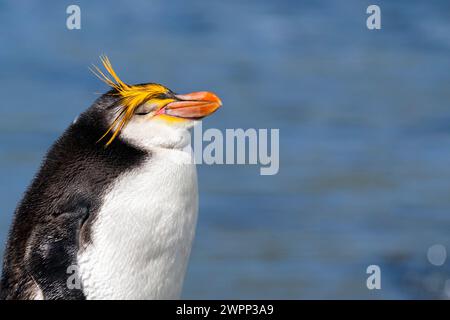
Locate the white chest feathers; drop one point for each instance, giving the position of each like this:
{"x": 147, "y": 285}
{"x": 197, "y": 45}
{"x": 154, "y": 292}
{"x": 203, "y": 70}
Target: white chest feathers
{"x": 142, "y": 236}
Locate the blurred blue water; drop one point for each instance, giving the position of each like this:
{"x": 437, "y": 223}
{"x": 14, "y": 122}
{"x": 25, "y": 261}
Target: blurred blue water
{"x": 364, "y": 123}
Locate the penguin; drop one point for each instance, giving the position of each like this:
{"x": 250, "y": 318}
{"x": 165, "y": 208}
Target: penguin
{"x": 112, "y": 211}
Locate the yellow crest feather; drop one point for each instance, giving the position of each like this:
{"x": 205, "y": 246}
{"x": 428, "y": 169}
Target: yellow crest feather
{"x": 131, "y": 96}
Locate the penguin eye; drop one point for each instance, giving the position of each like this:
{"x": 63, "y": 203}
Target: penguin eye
{"x": 145, "y": 108}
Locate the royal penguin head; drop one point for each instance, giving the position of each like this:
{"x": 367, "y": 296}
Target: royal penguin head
{"x": 149, "y": 114}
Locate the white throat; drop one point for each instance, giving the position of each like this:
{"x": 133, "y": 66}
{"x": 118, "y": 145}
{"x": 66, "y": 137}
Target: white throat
{"x": 143, "y": 233}
{"x": 148, "y": 134}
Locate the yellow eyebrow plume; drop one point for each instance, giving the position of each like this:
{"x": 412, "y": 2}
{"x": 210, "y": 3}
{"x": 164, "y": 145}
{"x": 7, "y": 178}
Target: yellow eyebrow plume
{"x": 131, "y": 96}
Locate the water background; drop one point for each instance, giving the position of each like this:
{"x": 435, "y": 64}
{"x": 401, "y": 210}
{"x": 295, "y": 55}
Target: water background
{"x": 364, "y": 119}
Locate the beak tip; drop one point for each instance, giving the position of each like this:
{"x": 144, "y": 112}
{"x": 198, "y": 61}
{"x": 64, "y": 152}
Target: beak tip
{"x": 214, "y": 98}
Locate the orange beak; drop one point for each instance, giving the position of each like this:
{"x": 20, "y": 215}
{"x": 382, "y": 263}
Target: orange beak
{"x": 193, "y": 106}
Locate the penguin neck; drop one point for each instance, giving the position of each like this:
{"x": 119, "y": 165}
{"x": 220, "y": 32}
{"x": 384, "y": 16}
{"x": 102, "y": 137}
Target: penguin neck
{"x": 149, "y": 135}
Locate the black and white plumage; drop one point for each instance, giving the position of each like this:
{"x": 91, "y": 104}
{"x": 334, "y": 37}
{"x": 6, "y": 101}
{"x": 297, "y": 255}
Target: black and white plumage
{"x": 123, "y": 214}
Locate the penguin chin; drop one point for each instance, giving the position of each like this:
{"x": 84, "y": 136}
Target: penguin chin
{"x": 158, "y": 133}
